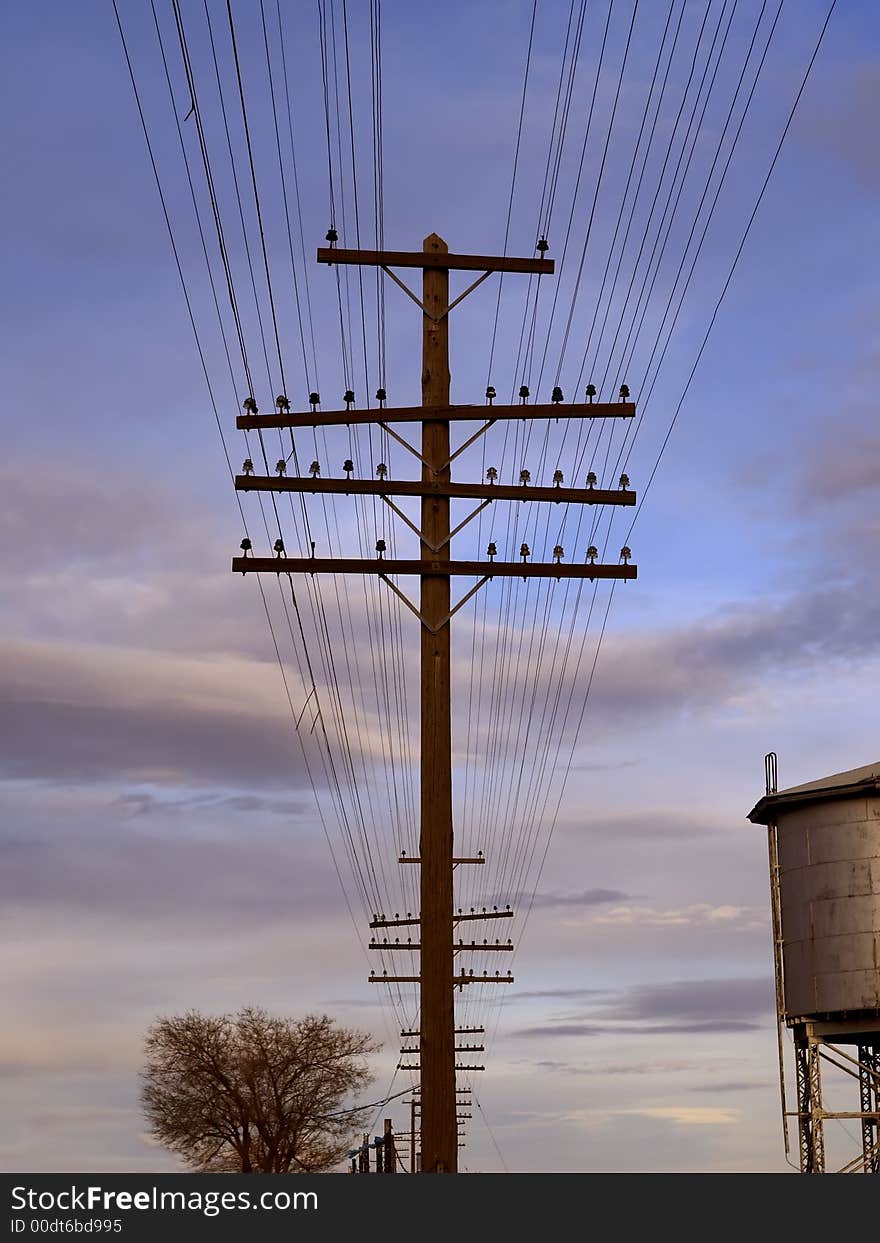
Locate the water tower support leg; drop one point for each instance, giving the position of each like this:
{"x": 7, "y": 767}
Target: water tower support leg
{"x": 869, "y": 1088}
{"x": 809, "y": 1095}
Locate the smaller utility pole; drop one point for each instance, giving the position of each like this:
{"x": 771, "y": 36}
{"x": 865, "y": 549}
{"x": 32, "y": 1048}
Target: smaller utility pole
{"x": 412, "y": 1136}
{"x": 389, "y": 1164}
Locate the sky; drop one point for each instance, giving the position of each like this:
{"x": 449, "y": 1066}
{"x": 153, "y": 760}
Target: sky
{"x": 160, "y": 846}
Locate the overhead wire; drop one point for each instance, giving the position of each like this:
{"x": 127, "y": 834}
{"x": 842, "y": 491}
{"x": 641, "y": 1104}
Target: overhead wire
{"x": 219, "y": 426}
{"x": 542, "y": 690}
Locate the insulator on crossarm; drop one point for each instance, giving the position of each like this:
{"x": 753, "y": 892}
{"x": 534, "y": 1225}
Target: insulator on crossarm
{"x": 556, "y": 396}
{"x": 524, "y": 476}
{"x": 558, "y": 553}
{"x": 250, "y": 406}
{"x": 542, "y": 245}
{"x": 382, "y": 470}
{"x": 524, "y": 394}
{"x": 348, "y": 467}
{"x": 591, "y": 393}
{"x": 247, "y": 466}
{"x": 491, "y": 552}
{"x": 281, "y": 466}
{"x": 591, "y": 479}
{"x": 282, "y": 403}
{"x": 524, "y": 551}
{"x": 380, "y": 547}
{"x": 557, "y": 478}
{"x": 381, "y": 396}
{"x": 331, "y": 235}
{"x": 314, "y": 401}
{"x": 315, "y": 469}
{"x": 245, "y": 546}
{"x": 348, "y": 398}
{"x": 624, "y": 482}
{"x": 279, "y": 547}
{"x": 592, "y": 553}
{"x": 491, "y": 474}
{"x": 624, "y": 392}
{"x": 625, "y": 554}
{"x": 490, "y": 394}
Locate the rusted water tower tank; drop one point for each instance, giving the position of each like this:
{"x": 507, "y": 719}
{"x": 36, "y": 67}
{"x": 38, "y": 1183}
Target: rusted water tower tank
{"x": 824, "y": 841}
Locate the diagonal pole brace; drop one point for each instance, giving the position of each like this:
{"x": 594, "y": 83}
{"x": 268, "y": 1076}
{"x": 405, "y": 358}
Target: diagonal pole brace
{"x": 449, "y": 616}
{"x": 436, "y": 318}
{"x": 403, "y": 517}
{"x": 435, "y": 548}
{"x": 409, "y": 293}
{"x": 467, "y": 444}
{"x": 470, "y": 289}
{"x": 405, "y": 443}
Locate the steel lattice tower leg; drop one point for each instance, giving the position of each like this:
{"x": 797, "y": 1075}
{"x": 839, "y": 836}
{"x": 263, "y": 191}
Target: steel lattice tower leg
{"x": 869, "y": 1089}
{"x": 809, "y": 1095}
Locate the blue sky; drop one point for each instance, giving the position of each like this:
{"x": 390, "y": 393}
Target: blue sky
{"x": 160, "y": 841}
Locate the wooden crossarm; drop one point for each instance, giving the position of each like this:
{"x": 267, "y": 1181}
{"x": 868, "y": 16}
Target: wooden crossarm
{"x": 421, "y": 414}
{"x": 468, "y": 569}
{"x": 434, "y": 487}
{"x": 434, "y": 259}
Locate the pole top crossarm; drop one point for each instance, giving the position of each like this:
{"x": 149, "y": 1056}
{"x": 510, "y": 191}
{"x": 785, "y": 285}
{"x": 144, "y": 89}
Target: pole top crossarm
{"x": 435, "y": 259}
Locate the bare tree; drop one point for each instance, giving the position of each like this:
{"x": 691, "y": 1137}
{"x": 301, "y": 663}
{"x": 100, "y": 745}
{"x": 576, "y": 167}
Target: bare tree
{"x": 254, "y": 1093}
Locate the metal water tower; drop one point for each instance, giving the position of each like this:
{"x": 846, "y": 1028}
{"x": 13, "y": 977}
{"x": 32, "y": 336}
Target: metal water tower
{"x": 824, "y": 842}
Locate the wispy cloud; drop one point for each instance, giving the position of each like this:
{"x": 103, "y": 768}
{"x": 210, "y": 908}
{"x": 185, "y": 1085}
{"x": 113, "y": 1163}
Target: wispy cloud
{"x": 586, "y": 898}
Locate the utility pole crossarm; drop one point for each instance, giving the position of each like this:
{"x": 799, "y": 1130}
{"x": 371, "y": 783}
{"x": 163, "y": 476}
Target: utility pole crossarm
{"x": 445, "y": 569}
{"x": 410, "y": 921}
{"x": 434, "y": 260}
{"x": 417, "y": 414}
{"x": 455, "y": 491}
{"x": 459, "y": 1031}
{"x": 463, "y": 978}
{"x": 458, "y": 946}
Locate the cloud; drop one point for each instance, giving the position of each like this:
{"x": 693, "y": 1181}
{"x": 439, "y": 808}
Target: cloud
{"x": 698, "y": 913}
{"x": 644, "y": 826}
{"x": 659, "y": 673}
{"x": 93, "y": 516}
{"x": 686, "y": 1007}
{"x": 588, "y": 897}
{"x": 141, "y": 803}
{"x": 556, "y": 993}
{"x": 734, "y": 1085}
{"x": 840, "y": 131}
{"x": 76, "y": 713}
{"x": 697, "y": 1000}
{"x": 712, "y": 1027}
{"x": 185, "y": 881}
{"x": 714, "y": 660}
{"x": 841, "y": 469}
{"x": 684, "y": 1115}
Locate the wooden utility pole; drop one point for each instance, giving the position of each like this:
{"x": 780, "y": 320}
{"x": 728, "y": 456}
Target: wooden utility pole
{"x": 389, "y": 1165}
{"x": 435, "y": 567}
{"x": 437, "y": 1039}
{"x": 412, "y": 1136}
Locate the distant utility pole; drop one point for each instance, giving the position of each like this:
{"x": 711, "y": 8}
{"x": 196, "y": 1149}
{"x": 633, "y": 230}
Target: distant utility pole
{"x": 435, "y": 569}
